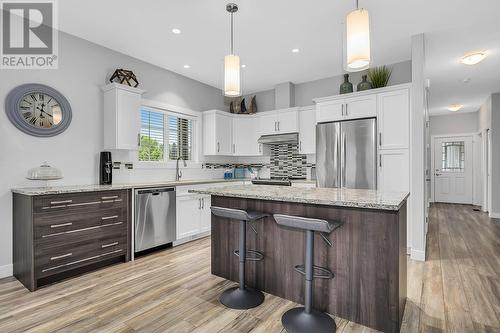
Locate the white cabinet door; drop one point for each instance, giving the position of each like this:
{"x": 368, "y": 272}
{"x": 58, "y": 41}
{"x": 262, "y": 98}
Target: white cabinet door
{"x": 394, "y": 170}
{"x": 329, "y": 111}
{"x": 360, "y": 107}
{"x": 268, "y": 123}
{"x": 205, "y": 214}
{"x": 307, "y": 131}
{"x": 188, "y": 215}
{"x": 245, "y": 136}
{"x": 224, "y": 134}
{"x": 288, "y": 121}
{"x": 393, "y": 119}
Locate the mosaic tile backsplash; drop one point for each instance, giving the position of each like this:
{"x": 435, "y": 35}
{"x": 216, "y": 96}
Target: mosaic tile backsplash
{"x": 286, "y": 161}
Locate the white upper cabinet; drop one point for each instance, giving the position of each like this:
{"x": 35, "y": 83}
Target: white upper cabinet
{"x": 330, "y": 111}
{"x": 122, "y": 117}
{"x": 279, "y": 121}
{"x": 307, "y": 131}
{"x": 393, "y": 119}
{"x": 245, "y": 135}
{"x": 341, "y": 108}
{"x": 217, "y": 133}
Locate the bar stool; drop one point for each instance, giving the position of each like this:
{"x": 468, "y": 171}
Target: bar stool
{"x": 241, "y": 297}
{"x": 306, "y": 319}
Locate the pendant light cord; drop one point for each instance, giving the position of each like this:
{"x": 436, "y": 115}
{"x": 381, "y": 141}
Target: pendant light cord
{"x": 232, "y": 47}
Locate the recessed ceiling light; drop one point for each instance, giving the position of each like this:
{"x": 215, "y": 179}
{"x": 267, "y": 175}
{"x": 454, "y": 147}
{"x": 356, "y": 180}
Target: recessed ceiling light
{"x": 467, "y": 80}
{"x": 473, "y": 58}
{"x": 295, "y": 50}
{"x": 187, "y": 66}
{"x": 176, "y": 31}
{"x": 455, "y": 107}
{"x": 243, "y": 66}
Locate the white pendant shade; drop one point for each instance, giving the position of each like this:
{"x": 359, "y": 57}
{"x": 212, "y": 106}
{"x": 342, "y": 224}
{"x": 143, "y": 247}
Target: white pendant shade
{"x": 232, "y": 85}
{"x": 358, "y": 40}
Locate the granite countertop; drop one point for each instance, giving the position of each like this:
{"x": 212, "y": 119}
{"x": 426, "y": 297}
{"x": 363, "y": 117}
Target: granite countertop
{"x": 34, "y": 191}
{"x": 371, "y": 199}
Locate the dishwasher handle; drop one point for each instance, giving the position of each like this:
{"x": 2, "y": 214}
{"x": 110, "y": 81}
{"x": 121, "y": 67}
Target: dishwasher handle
{"x": 156, "y": 191}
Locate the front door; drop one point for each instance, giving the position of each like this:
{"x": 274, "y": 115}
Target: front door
{"x": 453, "y": 170}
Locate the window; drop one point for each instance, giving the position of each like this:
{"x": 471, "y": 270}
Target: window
{"x": 165, "y": 136}
{"x": 453, "y": 156}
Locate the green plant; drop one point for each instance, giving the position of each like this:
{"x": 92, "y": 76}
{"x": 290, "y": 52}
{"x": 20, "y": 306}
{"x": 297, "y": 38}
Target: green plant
{"x": 379, "y": 76}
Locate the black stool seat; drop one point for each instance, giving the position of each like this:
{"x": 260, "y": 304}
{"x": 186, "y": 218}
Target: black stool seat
{"x": 241, "y": 297}
{"x": 306, "y": 319}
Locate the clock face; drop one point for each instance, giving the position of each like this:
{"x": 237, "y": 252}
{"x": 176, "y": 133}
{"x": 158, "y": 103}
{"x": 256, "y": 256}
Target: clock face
{"x": 40, "y": 110}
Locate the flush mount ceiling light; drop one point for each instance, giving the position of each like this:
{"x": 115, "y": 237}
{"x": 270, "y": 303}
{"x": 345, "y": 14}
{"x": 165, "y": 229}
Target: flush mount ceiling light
{"x": 295, "y": 50}
{"x": 232, "y": 86}
{"x": 473, "y": 58}
{"x": 243, "y": 66}
{"x": 357, "y": 40}
{"x": 176, "y": 31}
{"x": 187, "y": 66}
{"x": 455, "y": 107}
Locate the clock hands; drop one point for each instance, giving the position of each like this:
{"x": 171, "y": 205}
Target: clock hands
{"x": 42, "y": 111}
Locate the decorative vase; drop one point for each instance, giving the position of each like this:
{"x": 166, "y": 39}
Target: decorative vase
{"x": 346, "y": 87}
{"x": 364, "y": 84}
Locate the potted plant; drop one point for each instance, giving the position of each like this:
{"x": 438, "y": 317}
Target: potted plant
{"x": 379, "y": 76}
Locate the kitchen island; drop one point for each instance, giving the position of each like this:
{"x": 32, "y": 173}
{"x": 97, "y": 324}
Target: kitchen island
{"x": 368, "y": 256}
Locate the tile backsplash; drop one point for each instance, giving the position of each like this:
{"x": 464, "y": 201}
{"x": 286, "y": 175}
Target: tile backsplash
{"x": 286, "y": 161}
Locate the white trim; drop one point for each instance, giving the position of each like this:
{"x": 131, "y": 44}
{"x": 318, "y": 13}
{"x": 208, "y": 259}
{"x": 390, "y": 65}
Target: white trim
{"x": 169, "y": 107}
{"x": 115, "y": 85}
{"x": 418, "y": 255}
{"x": 6, "y": 270}
{"x": 495, "y": 215}
{"x": 363, "y": 93}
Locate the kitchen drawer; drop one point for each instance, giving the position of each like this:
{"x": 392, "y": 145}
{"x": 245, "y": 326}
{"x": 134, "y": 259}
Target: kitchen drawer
{"x": 58, "y": 222}
{"x": 79, "y": 201}
{"x": 55, "y": 260}
{"x": 80, "y": 236}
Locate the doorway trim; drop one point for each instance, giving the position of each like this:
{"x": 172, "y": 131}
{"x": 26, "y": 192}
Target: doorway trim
{"x": 433, "y": 142}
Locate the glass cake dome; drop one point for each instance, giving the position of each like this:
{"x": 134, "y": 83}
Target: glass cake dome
{"x": 44, "y": 172}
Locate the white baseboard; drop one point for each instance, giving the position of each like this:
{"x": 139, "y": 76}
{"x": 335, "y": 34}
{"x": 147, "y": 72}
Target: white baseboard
{"x": 418, "y": 255}
{"x": 5, "y": 271}
{"x": 494, "y": 215}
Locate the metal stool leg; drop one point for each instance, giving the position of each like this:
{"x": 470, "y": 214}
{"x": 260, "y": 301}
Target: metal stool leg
{"x": 306, "y": 319}
{"x": 241, "y": 297}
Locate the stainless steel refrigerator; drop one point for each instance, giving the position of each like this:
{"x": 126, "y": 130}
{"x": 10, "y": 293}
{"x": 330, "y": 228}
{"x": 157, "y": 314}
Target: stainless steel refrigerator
{"x": 346, "y": 154}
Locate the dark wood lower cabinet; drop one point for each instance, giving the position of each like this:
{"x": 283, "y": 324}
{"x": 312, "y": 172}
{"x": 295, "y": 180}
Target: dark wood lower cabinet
{"x": 368, "y": 259}
{"x": 57, "y": 236}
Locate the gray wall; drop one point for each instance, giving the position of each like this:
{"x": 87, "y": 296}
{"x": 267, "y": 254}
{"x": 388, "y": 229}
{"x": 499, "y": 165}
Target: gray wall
{"x": 495, "y": 154}
{"x": 306, "y": 91}
{"x": 83, "y": 69}
{"x": 454, "y": 123}
{"x": 484, "y": 115}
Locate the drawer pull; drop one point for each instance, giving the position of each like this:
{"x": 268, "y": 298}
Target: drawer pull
{"x": 80, "y": 230}
{"x": 109, "y": 245}
{"x": 80, "y": 261}
{"x": 61, "y": 225}
{"x": 109, "y": 217}
{"x": 61, "y": 256}
{"x": 109, "y": 198}
{"x": 61, "y": 202}
{"x": 84, "y": 204}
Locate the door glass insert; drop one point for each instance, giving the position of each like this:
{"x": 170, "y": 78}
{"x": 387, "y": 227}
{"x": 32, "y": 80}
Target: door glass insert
{"x": 453, "y": 156}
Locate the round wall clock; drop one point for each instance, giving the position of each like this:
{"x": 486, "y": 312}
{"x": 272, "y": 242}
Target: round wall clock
{"x": 38, "y": 110}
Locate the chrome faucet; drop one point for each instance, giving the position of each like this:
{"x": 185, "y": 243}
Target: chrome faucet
{"x": 178, "y": 172}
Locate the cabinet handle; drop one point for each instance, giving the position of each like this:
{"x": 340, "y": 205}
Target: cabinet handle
{"x": 342, "y": 108}
{"x": 260, "y": 148}
{"x": 234, "y": 148}
{"x": 61, "y": 202}
{"x": 202, "y": 203}
{"x": 109, "y": 198}
{"x": 380, "y": 160}
{"x": 108, "y": 245}
{"x": 380, "y": 138}
{"x": 61, "y": 225}
{"x": 199, "y": 203}
{"x": 109, "y": 217}
{"x": 275, "y": 126}
{"x": 218, "y": 147}
{"x": 346, "y": 112}
{"x": 300, "y": 145}
{"x": 62, "y": 256}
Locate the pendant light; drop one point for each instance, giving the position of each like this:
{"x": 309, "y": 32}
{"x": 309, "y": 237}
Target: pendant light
{"x": 357, "y": 40}
{"x": 232, "y": 84}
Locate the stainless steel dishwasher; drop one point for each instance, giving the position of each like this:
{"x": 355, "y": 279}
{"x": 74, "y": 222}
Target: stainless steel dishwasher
{"x": 154, "y": 217}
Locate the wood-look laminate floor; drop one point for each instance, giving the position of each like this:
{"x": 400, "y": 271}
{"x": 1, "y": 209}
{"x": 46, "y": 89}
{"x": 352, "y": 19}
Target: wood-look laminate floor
{"x": 456, "y": 290}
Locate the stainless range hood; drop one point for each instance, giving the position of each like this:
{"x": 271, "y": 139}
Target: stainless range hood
{"x": 276, "y": 139}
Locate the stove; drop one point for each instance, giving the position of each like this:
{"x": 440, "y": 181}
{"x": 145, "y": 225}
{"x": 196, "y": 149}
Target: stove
{"x": 281, "y": 181}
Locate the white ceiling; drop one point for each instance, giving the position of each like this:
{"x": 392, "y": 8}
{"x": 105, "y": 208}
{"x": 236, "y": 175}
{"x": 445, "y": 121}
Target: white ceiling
{"x": 443, "y": 52}
{"x": 265, "y": 33}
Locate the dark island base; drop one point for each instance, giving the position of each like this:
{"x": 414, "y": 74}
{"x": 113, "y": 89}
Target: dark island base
{"x": 368, "y": 259}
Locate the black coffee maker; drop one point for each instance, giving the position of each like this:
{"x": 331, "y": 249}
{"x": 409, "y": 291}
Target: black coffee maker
{"x": 106, "y": 169}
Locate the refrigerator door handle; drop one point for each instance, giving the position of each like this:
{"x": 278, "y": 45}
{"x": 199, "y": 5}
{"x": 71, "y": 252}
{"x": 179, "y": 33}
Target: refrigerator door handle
{"x": 344, "y": 157}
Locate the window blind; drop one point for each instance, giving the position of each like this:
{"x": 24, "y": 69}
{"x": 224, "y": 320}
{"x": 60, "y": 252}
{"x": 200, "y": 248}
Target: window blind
{"x": 152, "y": 136}
{"x": 180, "y": 137}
